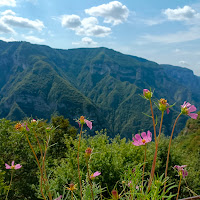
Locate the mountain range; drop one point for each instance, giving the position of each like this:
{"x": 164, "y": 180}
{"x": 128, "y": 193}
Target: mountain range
{"x": 102, "y": 84}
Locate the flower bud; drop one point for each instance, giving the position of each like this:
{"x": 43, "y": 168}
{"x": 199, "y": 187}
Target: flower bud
{"x": 82, "y": 120}
{"x": 115, "y": 195}
{"x": 88, "y": 152}
{"x": 147, "y": 94}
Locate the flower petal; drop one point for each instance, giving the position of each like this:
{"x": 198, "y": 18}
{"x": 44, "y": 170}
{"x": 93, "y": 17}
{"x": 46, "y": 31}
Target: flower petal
{"x": 7, "y": 166}
{"x": 167, "y": 110}
{"x": 192, "y": 108}
{"x": 89, "y": 123}
{"x": 144, "y": 136}
{"x": 149, "y": 136}
{"x": 193, "y": 115}
{"x": 138, "y": 138}
{"x": 18, "y": 166}
{"x": 96, "y": 174}
{"x": 13, "y": 162}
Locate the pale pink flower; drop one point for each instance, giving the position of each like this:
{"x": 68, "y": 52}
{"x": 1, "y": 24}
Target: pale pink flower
{"x": 13, "y": 166}
{"x": 82, "y": 121}
{"x": 95, "y": 175}
{"x": 181, "y": 170}
{"x": 187, "y": 109}
{"x": 59, "y": 198}
{"x": 138, "y": 141}
{"x": 33, "y": 121}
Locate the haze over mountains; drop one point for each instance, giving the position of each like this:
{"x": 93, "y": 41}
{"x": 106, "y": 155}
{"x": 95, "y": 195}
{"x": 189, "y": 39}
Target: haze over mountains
{"x": 99, "y": 83}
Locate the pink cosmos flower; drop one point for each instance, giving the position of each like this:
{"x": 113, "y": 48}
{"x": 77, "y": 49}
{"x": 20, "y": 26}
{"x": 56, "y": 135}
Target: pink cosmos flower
{"x": 187, "y": 108}
{"x": 82, "y": 120}
{"x": 138, "y": 141}
{"x": 181, "y": 170}
{"x": 95, "y": 175}
{"x": 13, "y": 166}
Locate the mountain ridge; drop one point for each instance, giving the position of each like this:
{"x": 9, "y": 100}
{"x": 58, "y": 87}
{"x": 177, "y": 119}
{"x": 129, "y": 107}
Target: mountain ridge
{"x": 101, "y": 83}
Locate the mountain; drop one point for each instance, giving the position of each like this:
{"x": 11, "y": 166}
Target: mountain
{"x": 100, "y": 83}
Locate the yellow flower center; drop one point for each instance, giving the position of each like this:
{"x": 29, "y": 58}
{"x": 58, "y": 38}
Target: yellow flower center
{"x": 143, "y": 141}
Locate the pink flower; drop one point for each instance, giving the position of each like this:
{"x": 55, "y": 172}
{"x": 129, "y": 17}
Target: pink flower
{"x": 82, "y": 121}
{"x": 18, "y": 166}
{"x": 25, "y": 125}
{"x": 59, "y": 198}
{"x": 187, "y": 108}
{"x": 138, "y": 141}
{"x": 182, "y": 172}
{"x": 147, "y": 94}
{"x": 95, "y": 175}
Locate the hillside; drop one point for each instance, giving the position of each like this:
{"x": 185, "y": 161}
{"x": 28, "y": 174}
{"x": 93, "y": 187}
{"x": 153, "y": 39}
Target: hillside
{"x": 99, "y": 83}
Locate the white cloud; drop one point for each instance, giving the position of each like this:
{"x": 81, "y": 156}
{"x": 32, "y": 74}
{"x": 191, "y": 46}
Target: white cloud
{"x": 33, "y": 39}
{"x": 5, "y": 28}
{"x": 181, "y": 36}
{"x": 22, "y": 22}
{"x": 181, "y": 14}
{"x": 85, "y": 41}
{"x": 87, "y": 27}
{"x": 88, "y": 41}
{"x": 182, "y": 62}
{"x": 8, "y": 12}
{"x": 7, "y": 39}
{"x": 71, "y": 21}
{"x": 114, "y": 12}
{"x": 11, "y": 3}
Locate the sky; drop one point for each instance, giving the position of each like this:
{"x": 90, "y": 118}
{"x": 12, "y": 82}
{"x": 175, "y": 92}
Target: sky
{"x": 166, "y": 32}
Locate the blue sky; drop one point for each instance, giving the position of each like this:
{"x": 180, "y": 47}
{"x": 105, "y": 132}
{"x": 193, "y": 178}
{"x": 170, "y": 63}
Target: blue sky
{"x": 167, "y": 32}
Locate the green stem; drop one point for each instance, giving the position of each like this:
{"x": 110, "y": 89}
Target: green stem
{"x": 89, "y": 179}
{"x": 170, "y": 141}
{"x": 145, "y": 152}
{"x": 179, "y": 186}
{"x": 79, "y": 175}
{"x": 10, "y": 184}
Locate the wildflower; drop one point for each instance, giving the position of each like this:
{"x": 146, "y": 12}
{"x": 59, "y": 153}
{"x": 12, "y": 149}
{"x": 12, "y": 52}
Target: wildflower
{"x": 181, "y": 171}
{"x": 48, "y": 128}
{"x": 82, "y": 121}
{"x": 13, "y": 166}
{"x": 72, "y": 187}
{"x": 95, "y": 175}
{"x": 138, "y": 141}
{"x": 88, "y": 152}
{"x": 147, "y": 94}
{"x": 33, "y": 121}
{"x": 25, "y": 125}
{"x": 115, "y": 195}
{"x": 187, "y": 108}
{"x": 59, "y": 198}
{"x": 163, "y": 105}
{"x": 18, "y": 127}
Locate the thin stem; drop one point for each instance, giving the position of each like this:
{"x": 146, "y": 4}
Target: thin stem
{"x": 170, "y": 141}
{"x": 72, "y": 195}
{"x": 145, "y": 152}
{"x": 89, "y": 179}
{"x": 154, "y": 125}
{"x": 179, "y": 186}
{"x": 160, "y": 126}
{"x": 155, "y": 154}
{"x": 37, "y": 163}
{"x": 79, "y": 175}
{"x": 10, "y": 184}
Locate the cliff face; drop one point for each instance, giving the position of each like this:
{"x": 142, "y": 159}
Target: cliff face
{"x": 99, "y": 83}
